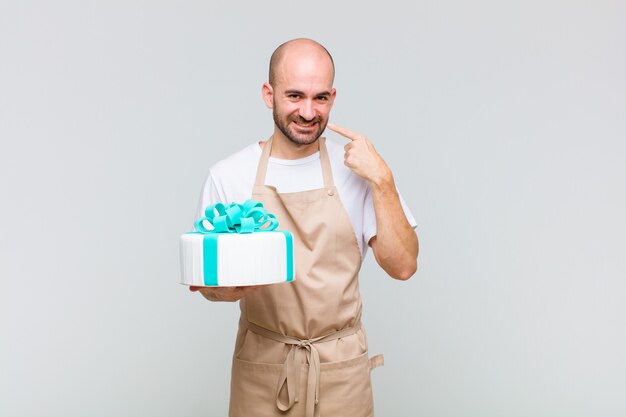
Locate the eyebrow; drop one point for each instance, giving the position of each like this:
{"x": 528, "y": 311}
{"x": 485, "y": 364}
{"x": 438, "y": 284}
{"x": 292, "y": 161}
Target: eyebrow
{"x": 323, "y": 93}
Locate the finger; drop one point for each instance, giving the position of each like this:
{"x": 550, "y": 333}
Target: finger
{"x": 344, "y": 132}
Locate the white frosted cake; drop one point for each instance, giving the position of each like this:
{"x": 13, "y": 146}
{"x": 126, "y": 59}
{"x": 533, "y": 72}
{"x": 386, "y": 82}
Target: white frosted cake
{"x": 242, "y": 248}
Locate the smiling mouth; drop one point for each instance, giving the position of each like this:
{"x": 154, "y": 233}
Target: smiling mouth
{"x": 306, "y": 125}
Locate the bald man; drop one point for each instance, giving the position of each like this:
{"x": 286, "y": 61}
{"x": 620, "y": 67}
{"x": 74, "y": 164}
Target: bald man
{"x": 301, "y": 349}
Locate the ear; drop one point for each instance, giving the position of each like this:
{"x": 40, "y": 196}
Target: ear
{"x": 268, "y": 95}
{"x": 333, "y": 94}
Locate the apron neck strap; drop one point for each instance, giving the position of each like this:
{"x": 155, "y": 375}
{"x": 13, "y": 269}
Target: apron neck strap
{"x": 324, "y": 160}
{"x": 263, "y": 161}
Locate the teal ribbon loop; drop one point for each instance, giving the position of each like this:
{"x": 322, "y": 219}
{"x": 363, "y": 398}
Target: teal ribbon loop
{"x": 248, "y": 217}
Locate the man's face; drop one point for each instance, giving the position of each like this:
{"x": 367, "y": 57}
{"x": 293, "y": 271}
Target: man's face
{"x": 301, "y": 100}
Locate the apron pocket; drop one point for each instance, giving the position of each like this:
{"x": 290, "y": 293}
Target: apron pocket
{"x": 253, "y": 390}
{"x": 346, "y": 388}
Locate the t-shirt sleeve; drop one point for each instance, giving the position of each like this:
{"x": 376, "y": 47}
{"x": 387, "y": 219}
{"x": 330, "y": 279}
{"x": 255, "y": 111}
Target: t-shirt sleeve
{"x": 369, "y": 215}
{"x": 211, "y": 193}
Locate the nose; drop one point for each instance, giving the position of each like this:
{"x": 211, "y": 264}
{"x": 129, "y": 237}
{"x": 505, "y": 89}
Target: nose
{"x": 307, "y": 110}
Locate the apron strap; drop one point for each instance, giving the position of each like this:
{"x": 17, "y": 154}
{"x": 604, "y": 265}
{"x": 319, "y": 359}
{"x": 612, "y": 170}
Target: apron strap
{"x": 263, "y": 161}
{"x": 324, "y": 160}
{"x": 290, "y": 375}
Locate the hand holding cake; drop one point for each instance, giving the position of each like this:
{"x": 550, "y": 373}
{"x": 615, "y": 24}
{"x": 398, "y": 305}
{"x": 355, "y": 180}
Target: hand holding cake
{"x": 225, "y": 293}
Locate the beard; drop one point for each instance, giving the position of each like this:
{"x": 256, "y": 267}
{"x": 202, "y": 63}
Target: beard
{"x": 299, "y": 138}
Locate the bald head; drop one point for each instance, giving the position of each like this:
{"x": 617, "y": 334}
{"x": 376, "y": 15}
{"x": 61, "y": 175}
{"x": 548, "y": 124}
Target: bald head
{"x": 294, "y": 50}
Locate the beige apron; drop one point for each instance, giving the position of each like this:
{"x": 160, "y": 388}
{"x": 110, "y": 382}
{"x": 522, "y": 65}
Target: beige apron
{"x": 301, "y": 350}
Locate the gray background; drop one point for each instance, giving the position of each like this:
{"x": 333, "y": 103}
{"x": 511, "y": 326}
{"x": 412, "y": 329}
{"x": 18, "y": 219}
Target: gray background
{"x": 504, "y": 123}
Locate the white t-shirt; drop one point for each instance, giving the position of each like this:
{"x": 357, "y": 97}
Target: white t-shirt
{"x": 232, "y": 179}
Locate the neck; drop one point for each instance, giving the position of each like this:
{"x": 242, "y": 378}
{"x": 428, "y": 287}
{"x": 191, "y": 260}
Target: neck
{"x": 283, "y": 148}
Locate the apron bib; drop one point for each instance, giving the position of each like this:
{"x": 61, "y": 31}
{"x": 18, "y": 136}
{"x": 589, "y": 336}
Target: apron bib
{"x": 300, "y": 349}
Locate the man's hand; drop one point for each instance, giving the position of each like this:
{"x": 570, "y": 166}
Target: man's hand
{"x": 225, "y": 293}
{"x": 362, "y": 158}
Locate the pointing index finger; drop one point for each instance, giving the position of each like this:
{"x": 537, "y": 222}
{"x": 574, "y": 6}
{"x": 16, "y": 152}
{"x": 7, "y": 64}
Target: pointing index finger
{"x": 343, "y": 131}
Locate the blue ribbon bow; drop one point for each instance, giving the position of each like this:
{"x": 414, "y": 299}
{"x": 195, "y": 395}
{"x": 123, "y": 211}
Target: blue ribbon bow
{"x": 248, "y": 217}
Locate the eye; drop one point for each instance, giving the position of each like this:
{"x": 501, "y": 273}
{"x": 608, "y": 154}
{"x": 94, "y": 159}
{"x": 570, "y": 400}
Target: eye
{"x": 322, "y": 98}
{"x": 293, "y": 96}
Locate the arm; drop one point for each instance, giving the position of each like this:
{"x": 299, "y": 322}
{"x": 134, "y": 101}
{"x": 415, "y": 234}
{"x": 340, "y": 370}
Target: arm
{"x": 395, "y": 245}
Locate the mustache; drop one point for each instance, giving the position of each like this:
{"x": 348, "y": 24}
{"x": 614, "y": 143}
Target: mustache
{"x": 314, "y": 120}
